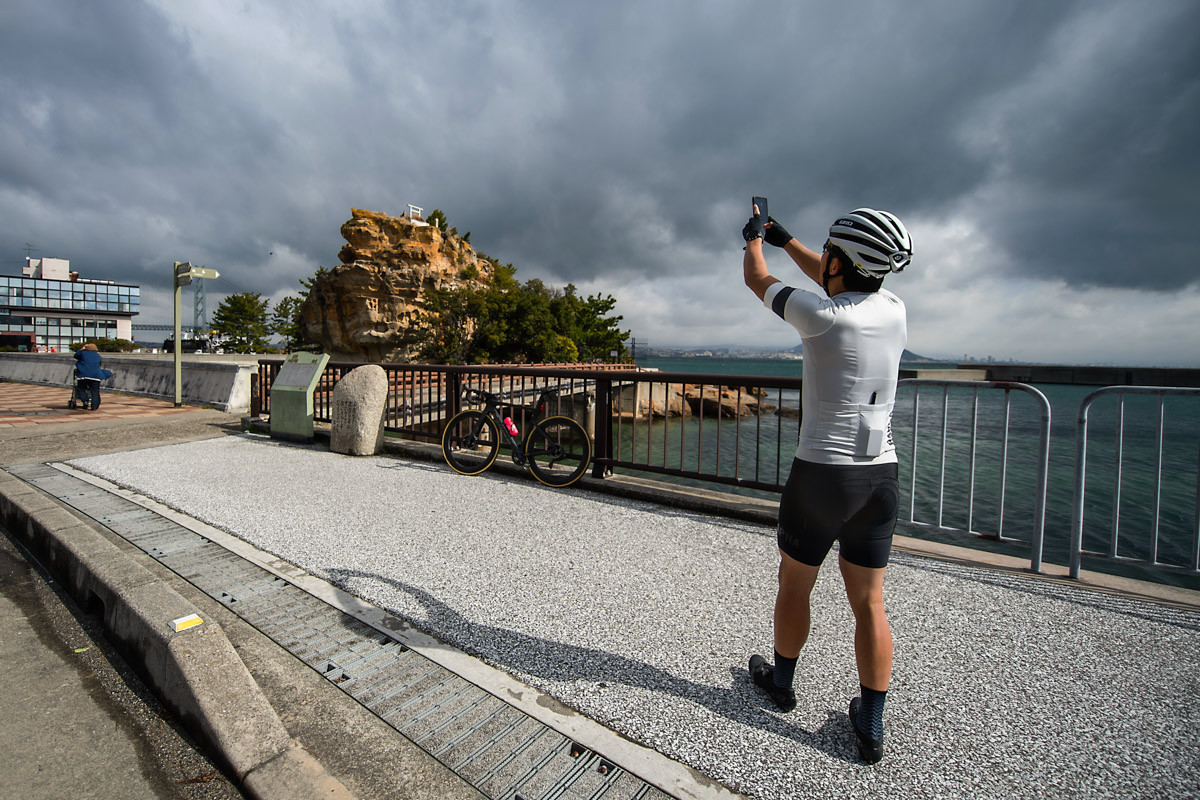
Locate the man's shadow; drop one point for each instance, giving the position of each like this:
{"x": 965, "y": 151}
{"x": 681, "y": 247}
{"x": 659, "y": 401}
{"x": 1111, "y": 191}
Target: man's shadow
{"x": 741, "y": 702}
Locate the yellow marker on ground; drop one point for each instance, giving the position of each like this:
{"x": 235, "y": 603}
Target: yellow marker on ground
{"x": 183, "y": 623}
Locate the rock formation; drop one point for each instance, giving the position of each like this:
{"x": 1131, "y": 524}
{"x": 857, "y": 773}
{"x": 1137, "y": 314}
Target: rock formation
{"x": 361, "y": 309}
{"x": 690, "y": 399}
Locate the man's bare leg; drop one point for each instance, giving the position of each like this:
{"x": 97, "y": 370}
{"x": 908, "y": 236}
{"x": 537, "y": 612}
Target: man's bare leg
{"x": 872, "y": 634}
{"x": 793, "y": 616}
{"x": 792, "y": 622}
{"x": 873, "y": 652}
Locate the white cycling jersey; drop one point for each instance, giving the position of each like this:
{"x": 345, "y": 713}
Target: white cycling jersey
{"x": 852, "y": 348}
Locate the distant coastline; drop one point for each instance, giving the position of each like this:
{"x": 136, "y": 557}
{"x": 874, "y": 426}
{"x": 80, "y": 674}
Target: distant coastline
{"x": 794, "y": 354}
{"x": 774, "y": 364}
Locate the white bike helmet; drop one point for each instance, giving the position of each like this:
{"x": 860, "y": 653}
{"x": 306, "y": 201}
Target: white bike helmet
{"x": 876, "y": 241}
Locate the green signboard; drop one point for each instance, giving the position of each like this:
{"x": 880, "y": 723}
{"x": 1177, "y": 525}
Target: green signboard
{"x": 292, "y": 396}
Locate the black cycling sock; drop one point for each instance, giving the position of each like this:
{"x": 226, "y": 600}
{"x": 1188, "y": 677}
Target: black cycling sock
{"x": 785, "y": 671}
{"x": 870, "y": 715}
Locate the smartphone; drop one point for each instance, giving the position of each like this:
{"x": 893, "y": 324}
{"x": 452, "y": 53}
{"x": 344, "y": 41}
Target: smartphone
{"x": 761, "y": 202}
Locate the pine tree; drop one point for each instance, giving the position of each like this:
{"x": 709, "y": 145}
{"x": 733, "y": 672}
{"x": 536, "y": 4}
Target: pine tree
{"x": 242, "y": 319}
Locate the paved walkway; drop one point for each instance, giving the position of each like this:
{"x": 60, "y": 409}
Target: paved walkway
{"x": 24, "y": 404}
{"x": 641, "y": 617}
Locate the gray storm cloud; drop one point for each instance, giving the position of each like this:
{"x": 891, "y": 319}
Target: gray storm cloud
{"x": 614, "y": 142}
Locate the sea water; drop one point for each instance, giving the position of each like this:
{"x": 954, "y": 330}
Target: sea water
{"x": 1003, "y": 500}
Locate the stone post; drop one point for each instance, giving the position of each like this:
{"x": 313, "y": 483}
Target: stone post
{"x": 359, "y": 400}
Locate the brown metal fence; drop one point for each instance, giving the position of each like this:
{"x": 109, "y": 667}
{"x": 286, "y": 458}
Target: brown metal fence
{"x": 734, "y": 430}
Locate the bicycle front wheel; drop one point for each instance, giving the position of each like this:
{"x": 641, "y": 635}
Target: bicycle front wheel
{"x": 470, "y": 442}
{"x": 559, "y": 451}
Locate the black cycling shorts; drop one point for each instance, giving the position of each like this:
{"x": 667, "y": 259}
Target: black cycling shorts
{"x": 853, "y": 504}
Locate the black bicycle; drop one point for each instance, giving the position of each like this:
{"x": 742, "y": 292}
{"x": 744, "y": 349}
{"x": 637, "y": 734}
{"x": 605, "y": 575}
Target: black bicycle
{"x": 557, "y": 449}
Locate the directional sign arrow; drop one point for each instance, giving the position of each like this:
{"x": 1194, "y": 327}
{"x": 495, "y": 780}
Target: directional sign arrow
{"x": 203, "y": 272}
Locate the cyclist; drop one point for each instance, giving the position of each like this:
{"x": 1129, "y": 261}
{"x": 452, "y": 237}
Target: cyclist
{"x": 843, "y": 482}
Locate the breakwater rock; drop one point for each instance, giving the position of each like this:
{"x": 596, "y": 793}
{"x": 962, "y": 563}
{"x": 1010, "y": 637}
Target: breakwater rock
{"x": 692, "y": 399}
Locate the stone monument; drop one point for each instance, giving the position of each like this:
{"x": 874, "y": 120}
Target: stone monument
{"x": 359, "y": 400}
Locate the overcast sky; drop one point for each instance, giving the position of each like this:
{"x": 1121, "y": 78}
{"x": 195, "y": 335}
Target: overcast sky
{"x": 1043, "y": 154}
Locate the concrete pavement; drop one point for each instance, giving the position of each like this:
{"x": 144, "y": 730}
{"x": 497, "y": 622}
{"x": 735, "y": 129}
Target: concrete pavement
{"x": 77, "y": 721}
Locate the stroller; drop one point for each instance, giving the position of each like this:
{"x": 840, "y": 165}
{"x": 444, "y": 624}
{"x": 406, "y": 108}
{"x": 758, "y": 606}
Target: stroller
{"x": 79, "y": 395}
{"x": 76, "y": 399}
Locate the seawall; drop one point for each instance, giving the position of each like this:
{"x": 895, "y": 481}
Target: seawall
{"x": 220, "y": 383}
{"x": 1089, "y": 376}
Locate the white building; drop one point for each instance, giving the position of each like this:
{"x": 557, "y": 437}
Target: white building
{"x": 51, "y": 308}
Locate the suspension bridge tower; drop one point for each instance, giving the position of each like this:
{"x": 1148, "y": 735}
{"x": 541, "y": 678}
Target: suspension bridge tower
{"x": 199, "y": 307}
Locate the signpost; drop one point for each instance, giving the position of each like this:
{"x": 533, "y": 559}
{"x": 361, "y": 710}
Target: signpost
{"x": 183, "y": 274}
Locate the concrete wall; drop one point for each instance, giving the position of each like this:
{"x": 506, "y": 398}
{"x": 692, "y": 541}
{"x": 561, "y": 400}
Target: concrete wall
{"x": 960, "y": 374}
{"x": 1093, "y": 376}
{"x": 224, "y": 385}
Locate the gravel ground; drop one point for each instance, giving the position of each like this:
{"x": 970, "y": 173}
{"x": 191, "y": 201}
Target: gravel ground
{"x": 643, "y": 618}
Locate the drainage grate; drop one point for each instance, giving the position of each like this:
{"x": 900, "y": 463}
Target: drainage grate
{"x": 497, "y": 748}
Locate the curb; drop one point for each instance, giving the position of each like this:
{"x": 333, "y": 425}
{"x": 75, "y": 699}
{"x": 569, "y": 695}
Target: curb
{"x": 195, "y": 672}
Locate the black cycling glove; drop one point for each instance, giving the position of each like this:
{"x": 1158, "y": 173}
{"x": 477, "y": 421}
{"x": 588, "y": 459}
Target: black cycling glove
{"x": 753, "y": 229}
{"x": 777, "y": 234}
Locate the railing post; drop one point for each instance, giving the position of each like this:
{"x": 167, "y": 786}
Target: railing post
{"x": 1039, "y": 522}
{"x": 971, "y": 459}
{"x": 1196, "y": 522}
{"x": 1118, "y": 461}
{"x": 942, "y": 467}
{"x": 1158, "y": 465}
{"x": 1004, "y": 463}
{"x": 453, "y": 394}
{"x": 255, "y": 394}
{"x": 1080, "y": 483}
{"x": 602, "y": 436}
{"x": 912, "y": 465}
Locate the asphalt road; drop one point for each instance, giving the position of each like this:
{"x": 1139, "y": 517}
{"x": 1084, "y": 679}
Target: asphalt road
{"x": 78, "y": 722}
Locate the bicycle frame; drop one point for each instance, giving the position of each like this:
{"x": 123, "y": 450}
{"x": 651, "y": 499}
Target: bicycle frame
{"x": 491, "y": 407}
{"x": 556, "y": 449}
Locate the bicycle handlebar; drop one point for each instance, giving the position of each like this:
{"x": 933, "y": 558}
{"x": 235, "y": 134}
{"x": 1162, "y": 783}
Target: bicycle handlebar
{"x": 479, "y": 396}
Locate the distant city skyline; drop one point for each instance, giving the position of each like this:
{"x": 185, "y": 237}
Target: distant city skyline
{"x": 1041, "y": 154}
{"x": 734, "y": 352}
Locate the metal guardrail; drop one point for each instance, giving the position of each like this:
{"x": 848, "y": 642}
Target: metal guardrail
{"x": 1037, "y": 535}
{"x": 1081, "y": 443}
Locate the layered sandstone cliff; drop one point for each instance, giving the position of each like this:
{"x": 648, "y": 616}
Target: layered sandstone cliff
{"x": 362, "y": 309}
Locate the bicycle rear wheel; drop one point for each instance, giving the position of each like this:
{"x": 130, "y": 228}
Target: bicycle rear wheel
{"x": 559, "y": 451}
{"x": 470, "y": 442}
